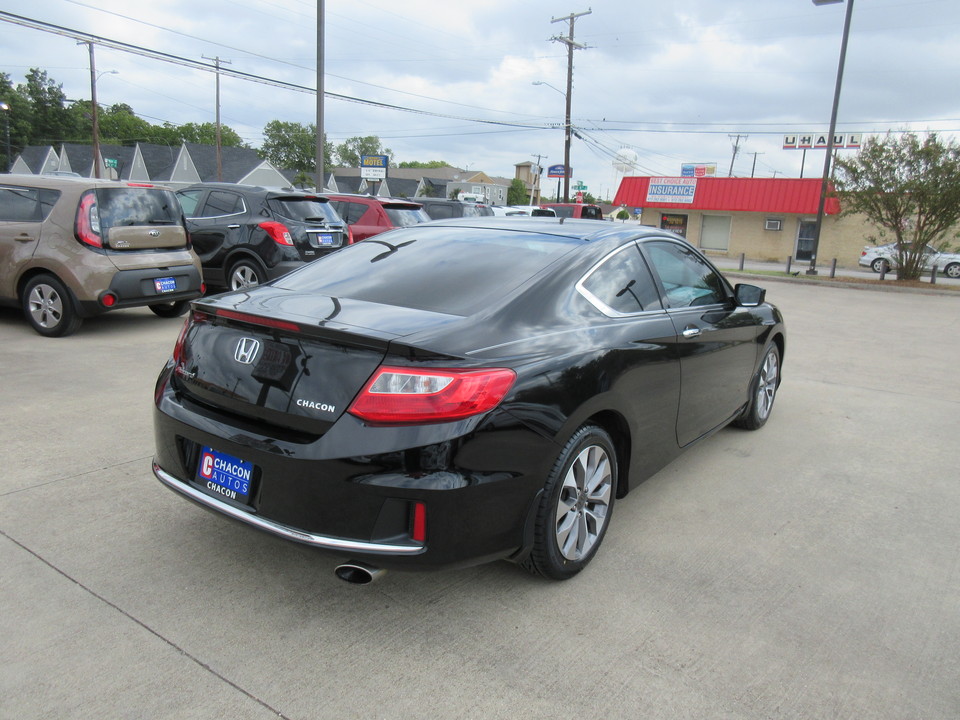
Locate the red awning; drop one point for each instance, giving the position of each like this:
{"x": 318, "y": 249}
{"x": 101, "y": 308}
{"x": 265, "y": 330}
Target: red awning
{"x": 761, "y": 195}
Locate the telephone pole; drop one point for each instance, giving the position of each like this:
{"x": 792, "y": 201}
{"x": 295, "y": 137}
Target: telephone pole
{"x": 320, "y": 90}
{"x": 571, "y": 45}
{"x": 217, "y": 62}
{"x": 736, "y": 149}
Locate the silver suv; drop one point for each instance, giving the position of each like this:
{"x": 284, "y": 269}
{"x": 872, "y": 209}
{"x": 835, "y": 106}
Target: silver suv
{"x": 72, "y": 248}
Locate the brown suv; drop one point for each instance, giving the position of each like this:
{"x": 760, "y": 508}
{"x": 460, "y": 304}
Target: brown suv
{"x": 72, "y": 248}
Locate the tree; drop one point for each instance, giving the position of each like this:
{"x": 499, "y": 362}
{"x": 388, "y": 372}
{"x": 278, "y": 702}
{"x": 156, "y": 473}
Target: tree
{"x": 50, "y": 121}
{"x": 350, "y": 151}
{"x": 199, "y": 133}
{"x": 517, "y": 193}
{"x": 429, "y": 165}
{"x": 909, "y": 188}
{"x": 118, "y": 124}
{"x": 293, "y": 146}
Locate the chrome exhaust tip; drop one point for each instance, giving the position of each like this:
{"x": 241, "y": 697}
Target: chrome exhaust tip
{"x": 358, "y": 573}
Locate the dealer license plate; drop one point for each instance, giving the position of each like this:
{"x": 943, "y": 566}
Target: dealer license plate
{"x": 225, "y": 475}
{"x": 165, "y": 285}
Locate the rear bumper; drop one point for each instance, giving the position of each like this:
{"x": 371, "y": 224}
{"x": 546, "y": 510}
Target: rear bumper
{"x": 319, "y": 541}
{"x": 136, "y": 288}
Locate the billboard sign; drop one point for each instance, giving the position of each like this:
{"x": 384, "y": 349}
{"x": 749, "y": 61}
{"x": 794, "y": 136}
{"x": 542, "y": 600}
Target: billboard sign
{"x": 698, "y": 170}
{"x": 805, "y": 141}
{"x": 671, "y": 190}
{"x": 557, "y": 171}
{"x": 374, "y": 167}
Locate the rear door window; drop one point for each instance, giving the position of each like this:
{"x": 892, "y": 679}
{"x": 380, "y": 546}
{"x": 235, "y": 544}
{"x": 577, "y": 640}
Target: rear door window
{"x": 20, "y": 204}
{"x": 222, "y": 203}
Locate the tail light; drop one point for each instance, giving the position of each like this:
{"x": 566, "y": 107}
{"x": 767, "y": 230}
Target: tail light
{"x": 350, "y": 239}
{"x": 408, "y": 396}
{"x": 87, "y": 225}
{"x": 278, "y": 232}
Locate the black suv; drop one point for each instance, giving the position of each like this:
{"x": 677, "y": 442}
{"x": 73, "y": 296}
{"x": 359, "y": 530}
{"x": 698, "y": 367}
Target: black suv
{"x": 246, "y": 235}
{"x": 445, "y": 209}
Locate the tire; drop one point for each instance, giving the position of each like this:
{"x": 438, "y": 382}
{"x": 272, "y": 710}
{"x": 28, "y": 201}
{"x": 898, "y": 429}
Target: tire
{"x": 575, "y": 506}
{"x": 171, "y": 309}
{"x": 880, "y": 265}
{"x": 952, "y": 270}
{"x": 48, "y": 307}
{"x": 245, "y": 274}
{"x": 763, "y": 391}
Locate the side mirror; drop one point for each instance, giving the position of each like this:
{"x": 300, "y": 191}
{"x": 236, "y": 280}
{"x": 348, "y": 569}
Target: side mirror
{"x": 749, "y": 295}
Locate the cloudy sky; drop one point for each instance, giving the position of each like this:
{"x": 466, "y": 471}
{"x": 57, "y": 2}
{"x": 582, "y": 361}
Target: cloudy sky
{"x": 674, "y": 82}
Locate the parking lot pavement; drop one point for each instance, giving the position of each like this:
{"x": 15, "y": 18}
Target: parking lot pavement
{"x": 807, "y": 570}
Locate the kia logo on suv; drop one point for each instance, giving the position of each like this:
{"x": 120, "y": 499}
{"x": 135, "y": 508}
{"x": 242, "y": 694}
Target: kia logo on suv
{"x": 246, "y": 351}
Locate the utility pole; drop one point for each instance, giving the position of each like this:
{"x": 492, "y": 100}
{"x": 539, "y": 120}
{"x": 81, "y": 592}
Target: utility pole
{"x": 736, "y": 149}
{"x": 535, "y": 195}
{"x": 569, "y": 42}
{"x": 217, "y": 62}
{"x": 320, "y": 91}
{"x": 93, "y": 112}
{"x": 753, "y": 169}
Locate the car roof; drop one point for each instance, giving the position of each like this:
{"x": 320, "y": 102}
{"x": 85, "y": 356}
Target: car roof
{"x": 60, "y": 182}
{"x": 573, "y": 229}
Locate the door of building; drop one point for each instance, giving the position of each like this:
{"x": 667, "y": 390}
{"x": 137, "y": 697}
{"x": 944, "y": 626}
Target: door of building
{"x": 805, "y": 236}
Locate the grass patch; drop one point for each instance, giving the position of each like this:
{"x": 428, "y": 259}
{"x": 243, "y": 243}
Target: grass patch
{"x": 890, "y": 281}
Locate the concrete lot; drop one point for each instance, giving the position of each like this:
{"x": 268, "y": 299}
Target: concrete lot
{"x": 808, "y": 570}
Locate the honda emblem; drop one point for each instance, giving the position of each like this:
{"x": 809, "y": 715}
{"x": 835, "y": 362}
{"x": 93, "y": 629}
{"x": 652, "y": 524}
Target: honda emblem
{"x": 246, "y": 351}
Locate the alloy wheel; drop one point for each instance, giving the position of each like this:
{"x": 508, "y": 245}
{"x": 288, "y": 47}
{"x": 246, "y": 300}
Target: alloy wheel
{"x": 584, "y": 502}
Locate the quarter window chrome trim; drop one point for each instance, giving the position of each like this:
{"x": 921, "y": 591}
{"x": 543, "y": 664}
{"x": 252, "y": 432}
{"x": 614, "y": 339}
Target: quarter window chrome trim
{"x": 597, "y": 302}
{"x": 320, "y": 541}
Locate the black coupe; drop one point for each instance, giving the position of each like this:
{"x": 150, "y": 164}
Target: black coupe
{"x": 462, "y": 391}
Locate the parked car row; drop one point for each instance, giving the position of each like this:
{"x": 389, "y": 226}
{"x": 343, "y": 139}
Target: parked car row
{"x": 882, "y": 258}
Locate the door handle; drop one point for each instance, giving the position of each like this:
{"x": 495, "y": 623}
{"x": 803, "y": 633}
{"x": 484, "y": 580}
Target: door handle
{"x": 232, "y": 227}
{"x": 23, "y": 237}
{"x": 690, "y": 331}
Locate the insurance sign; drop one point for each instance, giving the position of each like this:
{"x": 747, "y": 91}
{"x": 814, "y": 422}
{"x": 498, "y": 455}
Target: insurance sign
{"x": 671, "y": 190}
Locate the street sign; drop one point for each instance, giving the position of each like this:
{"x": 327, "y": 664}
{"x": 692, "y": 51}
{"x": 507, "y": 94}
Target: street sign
{"x": 110, "y": 163}
{"x": 374, "y": 167}
{"x": 579, "y": 186}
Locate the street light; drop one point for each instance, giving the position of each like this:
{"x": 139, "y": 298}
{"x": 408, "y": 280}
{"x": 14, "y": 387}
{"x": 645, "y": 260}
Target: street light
{"x": 6, "y": 116}
{"x": 833, "y": 129}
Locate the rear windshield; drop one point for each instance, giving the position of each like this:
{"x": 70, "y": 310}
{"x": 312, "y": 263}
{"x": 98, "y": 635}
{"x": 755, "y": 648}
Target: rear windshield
{"x": 404, "y": 217}
{"x": 304, "y": 209}
{"x": 136, "y": 206}
{"x": 456, "y": 271}
{"x": 563, "y": 211}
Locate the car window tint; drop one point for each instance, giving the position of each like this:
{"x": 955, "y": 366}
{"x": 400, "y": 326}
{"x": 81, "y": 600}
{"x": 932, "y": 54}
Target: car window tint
{"x": 591, "y": 214}
{"x": 439, "y": 211}
{"x": 564, "y": 212}
{"x": 404, "y": 217}
{"x": 431, "y": 268}
{"x": 304, "y": 209}
{"x": 18, "y": 204}
{"x": 621, "y": 283}
{"x": 686, "y": 278}
{"x": 222, "y": 203}
{"x": 136, "y": 206}
{"x": 188, "y": 201}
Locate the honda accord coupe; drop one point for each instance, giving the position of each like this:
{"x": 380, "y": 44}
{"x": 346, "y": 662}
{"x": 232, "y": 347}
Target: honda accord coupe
{"x": 461, "y": 391}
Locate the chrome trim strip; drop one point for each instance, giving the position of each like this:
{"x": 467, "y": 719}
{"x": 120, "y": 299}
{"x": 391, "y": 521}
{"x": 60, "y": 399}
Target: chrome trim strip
{"x": 320, "y": 541}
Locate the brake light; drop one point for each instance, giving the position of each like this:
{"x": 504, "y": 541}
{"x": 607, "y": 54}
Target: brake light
{"x": 278, "y": 232}
{"x": 350, "y": 240}
{"x": 257, "y": 320}
{"x": 88, "y": 220}
{"x": 408, "y": 396}
{"x": 181, "y": 339}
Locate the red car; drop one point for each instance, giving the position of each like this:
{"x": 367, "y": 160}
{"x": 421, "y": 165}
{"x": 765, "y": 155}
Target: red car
{"x": 368, "y": 215}
{"x": 575, "y": 210}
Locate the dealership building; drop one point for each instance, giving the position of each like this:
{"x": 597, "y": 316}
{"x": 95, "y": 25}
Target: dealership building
{"x": 761, "y": 218}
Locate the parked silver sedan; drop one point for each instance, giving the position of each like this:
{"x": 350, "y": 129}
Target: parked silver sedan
{"x": 881, "y": 258}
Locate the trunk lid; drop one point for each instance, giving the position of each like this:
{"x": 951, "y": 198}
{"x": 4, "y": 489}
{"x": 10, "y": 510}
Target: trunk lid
{"x": 292, "y": 360}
